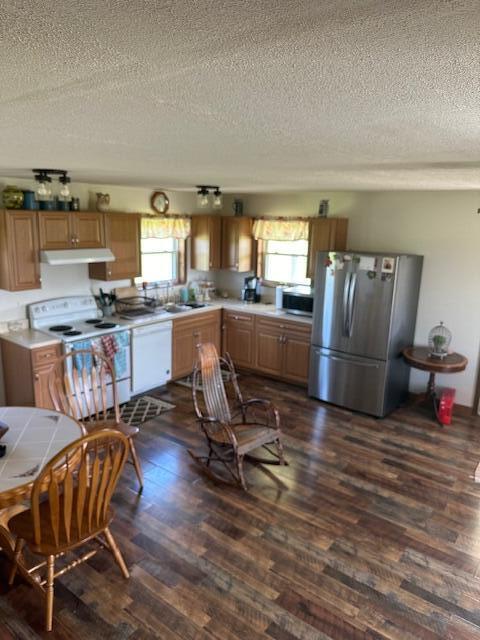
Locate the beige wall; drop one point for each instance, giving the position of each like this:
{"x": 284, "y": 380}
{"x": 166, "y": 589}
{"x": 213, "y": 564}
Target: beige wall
{"x": 442, "y": 226}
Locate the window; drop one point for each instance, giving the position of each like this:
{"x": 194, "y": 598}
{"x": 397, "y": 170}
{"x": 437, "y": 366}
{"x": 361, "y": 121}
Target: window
{"x": 163, "y": 259}
{"x": 284, "y": 261}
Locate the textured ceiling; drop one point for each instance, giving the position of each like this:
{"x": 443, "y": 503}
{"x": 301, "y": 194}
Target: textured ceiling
{"x": 254, "y": 95}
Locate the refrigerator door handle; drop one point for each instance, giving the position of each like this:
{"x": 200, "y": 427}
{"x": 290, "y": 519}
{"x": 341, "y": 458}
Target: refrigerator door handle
{"x": 351, "y": 302}
{"x": 371, "y": 365}
{"x": 346, "y": 295}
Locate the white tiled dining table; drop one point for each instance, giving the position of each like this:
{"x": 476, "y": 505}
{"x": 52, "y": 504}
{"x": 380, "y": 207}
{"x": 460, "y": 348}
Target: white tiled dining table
{"x": 34, "y": 436}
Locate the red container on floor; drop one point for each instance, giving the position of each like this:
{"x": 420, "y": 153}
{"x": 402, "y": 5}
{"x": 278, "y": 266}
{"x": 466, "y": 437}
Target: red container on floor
{"x": 445, "y": 405}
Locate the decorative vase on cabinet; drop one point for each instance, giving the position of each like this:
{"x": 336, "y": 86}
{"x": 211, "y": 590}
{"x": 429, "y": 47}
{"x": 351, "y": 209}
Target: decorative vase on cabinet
{"x": 12, "y": 197}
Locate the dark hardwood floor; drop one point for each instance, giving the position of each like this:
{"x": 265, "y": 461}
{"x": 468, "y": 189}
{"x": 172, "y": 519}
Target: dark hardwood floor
{"x": 372, "y": 532}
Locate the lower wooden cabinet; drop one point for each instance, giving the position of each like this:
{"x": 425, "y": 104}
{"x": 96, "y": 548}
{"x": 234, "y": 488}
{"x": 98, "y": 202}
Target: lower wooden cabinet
{"x": 26, "y": 373}
{"x": 187, "y": 334}
{"x": 283, "y": 348}
{"x": 238, "y": 338}
{"x": 272, "y": 346}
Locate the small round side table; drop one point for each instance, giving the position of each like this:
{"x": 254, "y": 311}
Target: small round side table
{"x": 420, "y": 358}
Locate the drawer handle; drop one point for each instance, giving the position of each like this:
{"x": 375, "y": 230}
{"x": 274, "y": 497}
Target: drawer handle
{"x": 36, "y": 376}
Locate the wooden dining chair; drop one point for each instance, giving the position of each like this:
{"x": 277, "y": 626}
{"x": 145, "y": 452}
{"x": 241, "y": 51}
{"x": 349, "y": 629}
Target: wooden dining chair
{"x": 78, "y": 387}
{"x": 70, "y": 506}
{"x": 234, "y": 428}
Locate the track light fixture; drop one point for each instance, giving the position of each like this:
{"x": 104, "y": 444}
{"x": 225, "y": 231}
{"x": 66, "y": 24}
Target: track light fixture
{"x": 203, "y": 196}
{"x": 44, "y": 192}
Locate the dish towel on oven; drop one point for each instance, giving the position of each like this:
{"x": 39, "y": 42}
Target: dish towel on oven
{"x": 82, "y": 359}
{"x": 115, "y": 347}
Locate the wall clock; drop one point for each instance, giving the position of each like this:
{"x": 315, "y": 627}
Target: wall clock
{"x": 159, "y": 202}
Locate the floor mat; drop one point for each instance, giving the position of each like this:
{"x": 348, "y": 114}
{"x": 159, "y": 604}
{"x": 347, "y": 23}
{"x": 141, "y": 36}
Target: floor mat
{"x": 139, "y": 410}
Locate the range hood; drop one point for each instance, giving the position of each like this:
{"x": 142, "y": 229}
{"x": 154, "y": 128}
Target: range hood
{"x": 76, "y": 256}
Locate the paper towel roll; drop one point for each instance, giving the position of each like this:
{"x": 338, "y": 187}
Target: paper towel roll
{"x": 279, "y": 297}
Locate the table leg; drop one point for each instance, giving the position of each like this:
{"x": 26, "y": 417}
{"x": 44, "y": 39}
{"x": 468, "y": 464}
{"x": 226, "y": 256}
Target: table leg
{"x": 431, "y": 385}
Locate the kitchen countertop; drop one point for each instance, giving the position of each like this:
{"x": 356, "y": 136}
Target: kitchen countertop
{"x": 230, "y": 304}
{"x": 32, "y": 339}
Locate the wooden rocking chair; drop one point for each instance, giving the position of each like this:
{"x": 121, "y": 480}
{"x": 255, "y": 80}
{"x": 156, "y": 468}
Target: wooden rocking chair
{"x": 82, "y": 394}
{"x": 231, "y": 436}
{"x": 70, "y": 506}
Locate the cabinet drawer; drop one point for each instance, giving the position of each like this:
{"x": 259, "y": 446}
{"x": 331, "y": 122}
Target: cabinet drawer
{"x": 238, "y": 317}
{"x": 45, "y": 355}
{"x": 279, "y": 324}
{"x": 193, "y": 322}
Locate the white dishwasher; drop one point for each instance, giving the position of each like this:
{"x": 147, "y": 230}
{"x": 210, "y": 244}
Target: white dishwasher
{"x": 151, "y": 356}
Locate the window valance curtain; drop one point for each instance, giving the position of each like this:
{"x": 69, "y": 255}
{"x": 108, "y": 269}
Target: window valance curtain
{"x": 275, "y": 229}
{"x": 177, "y": 227}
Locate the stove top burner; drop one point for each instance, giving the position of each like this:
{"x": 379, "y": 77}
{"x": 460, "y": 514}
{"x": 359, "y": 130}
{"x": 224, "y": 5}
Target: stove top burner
{"x": 92, "y": 321}
{"x": 72, "y": 333}
{"x": 61, "y": 327}
{"x": 105, "y": 325}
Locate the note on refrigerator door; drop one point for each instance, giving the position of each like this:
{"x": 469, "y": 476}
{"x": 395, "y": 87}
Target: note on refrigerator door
{"x": 367, "y": 263}
{"x": 388, "y": 265}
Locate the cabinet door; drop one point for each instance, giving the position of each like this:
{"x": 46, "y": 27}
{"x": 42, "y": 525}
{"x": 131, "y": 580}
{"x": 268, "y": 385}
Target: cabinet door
{"x": 23, "y": 269}
{"x": 239, "y": 339}
{"x": 183, "y": 353}
{"x": 44, "y": 361}
{"x": 88, "y": 229}
{"x": 206, "y": 242}
{"x": 56, "y": 231}
{"x": 326, "y": 234}
{"x": 237, "y": 244}
{"x": 122, "y": 232}
{"x": 269, "y": 349}
{"x": 296, "y": 357}
{"x": 188, "y": 332}
{"x": 207, "y": 332}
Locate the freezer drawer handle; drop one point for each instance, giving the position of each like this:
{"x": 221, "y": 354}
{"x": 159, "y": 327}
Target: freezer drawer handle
{"x": 347, "y": 361}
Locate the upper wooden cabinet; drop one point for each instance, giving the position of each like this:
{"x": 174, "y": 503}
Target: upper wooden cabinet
{"x": 206, "y": 243}
{"x": 71, "y": 229}
{"x": 19, "y": 251}
{"x": 326, "y": 234}
{"x": 237, "y": 243}
{"x": 122, "y": 231}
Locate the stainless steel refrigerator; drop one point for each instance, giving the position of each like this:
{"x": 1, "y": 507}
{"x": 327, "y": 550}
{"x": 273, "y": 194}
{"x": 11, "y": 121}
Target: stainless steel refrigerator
{"x": 365, "y": 308}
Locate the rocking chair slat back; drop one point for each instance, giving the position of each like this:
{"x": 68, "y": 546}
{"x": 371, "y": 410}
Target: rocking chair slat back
{"x": 214, "y": 393}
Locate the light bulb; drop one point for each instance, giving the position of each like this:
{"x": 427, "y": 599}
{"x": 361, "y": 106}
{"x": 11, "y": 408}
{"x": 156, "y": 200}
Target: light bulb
{"x": 42, "y": 191}
{"x": 65, "y": 192}
{"x": 217, "y": 199}
{"x": 202, "y": 198}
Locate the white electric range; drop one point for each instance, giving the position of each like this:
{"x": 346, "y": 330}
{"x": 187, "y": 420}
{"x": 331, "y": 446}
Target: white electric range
{"x": 78, "y": 323}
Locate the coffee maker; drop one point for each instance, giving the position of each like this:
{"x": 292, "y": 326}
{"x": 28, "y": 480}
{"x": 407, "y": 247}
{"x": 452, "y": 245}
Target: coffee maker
{"x": 251, "y": 289}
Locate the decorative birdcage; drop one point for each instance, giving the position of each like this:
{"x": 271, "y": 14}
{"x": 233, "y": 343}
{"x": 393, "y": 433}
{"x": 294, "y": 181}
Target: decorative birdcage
{"x": 439, "y": 340}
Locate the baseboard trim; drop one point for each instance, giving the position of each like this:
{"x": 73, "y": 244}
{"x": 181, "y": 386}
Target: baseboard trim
{"x": 461, "y": 410}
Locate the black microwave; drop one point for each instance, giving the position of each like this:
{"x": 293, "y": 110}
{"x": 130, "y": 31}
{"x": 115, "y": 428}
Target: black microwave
{"x": 298, "y": 300}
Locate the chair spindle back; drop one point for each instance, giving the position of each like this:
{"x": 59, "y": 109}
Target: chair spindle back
{"x": 79, "y": 483}
{"x": 79, "y": 388}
